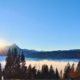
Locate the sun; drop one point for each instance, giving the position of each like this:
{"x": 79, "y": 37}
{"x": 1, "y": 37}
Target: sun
{"x": 2, "y": 43}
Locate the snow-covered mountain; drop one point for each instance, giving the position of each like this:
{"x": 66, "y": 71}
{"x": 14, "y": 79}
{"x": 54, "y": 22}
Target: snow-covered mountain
{"x": 4, "y": 50}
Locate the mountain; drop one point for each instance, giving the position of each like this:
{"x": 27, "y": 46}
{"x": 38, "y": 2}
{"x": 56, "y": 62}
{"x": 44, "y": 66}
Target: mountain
{"x": 4, "y": 50}
{"x": 66, "y": 54}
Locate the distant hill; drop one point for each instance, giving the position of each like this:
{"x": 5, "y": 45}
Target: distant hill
{"x": 4, "y": 50}
{"x": 66, "y": 54}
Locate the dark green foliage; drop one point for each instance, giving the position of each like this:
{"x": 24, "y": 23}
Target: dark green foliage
{"x": 23, "y": 67}
{"x": 15, "y": 52}
{"x": 12, "y": 67}
{"x": 0, "y": 72}
{"x": 67, "y": 71}
{"x": 51, "y": 73}
{"x": 44, "y": 71}
{"x": 8, "y": 66}
{"x": 57, "y": 74}
{"x": 38, "y": 76}
{"x": 29, "y": 73}
{"x": 17, "y": 66}
{"x": 22, "y": 57}
{"x": 9, "y": 51}
{"x": 15, "y": 69}
{"x": 33, "y": 73}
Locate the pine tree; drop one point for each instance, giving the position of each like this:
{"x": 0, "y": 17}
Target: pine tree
{"x": 22, "y": 57}
{"x": 12, "y": 67}
{"x": 17, "y": 68}
{"x": 51, "y": 73}
{"x": 57, "y": 74}
{"x": 23, "y": 67}
{"x": 67, "y": 71}
{"x": 45, "y": 71}
{"x": 38, "y": 76}
{"x": 0, "y": 72}
{"x": 15, "y": 52}
{"x": 72, "y": 71}
{"x": 7, "y": 69}
{"x": 29, "y": 72}
{"x": 77, "y": 71}
{"x": 33, "y": 73}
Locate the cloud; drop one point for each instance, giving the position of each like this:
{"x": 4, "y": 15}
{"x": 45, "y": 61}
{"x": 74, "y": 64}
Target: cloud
{"x": 3, "y": 64}
{"x": 60, "y": 65}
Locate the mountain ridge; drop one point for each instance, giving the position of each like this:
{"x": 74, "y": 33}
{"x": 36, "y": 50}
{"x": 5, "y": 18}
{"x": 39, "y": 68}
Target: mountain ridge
{"x": 4, "y": 50}
{"x": 69, "y": 54}
{"x": 58, "y": 54}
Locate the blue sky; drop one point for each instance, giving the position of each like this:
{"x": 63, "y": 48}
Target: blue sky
{"x": 40, "y": 24}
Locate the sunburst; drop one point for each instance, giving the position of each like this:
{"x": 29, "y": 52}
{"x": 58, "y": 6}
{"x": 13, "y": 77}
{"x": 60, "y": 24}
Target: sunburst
{"x": 2, "y": 44}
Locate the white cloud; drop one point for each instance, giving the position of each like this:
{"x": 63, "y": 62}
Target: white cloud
{"x": 3, "y": 64}
{"x": 56, "y": 64}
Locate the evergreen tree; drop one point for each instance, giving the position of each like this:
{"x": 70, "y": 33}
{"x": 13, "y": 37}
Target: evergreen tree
{"x": 15, "y": 63}
{"x": 38, "y": 76}
{"x": 67, "y": 71}
{"x": 8, "y": 66}
{"x": 29, "y": 72}
{"x": 15, "y": 52}
{"x": 22, "y": 57}
{"x": 44, "y": 71}
{"x": 57, "y": 74}
{"x": 17, "y": 68}
{"x": 51, "y": 73}
{"x": 23, "y": 67}
{"x": 72, "y": 71}
{"x": 0, "y": 72}
{"x": 33, "y": 73}
{"x": 77, "y": 71}
{"x": 12, "y": 67}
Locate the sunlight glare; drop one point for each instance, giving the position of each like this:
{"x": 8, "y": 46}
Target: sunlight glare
{"x": 2, "y": 43}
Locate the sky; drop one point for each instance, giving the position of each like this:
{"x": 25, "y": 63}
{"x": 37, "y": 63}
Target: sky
{"x": 40, "y": 24}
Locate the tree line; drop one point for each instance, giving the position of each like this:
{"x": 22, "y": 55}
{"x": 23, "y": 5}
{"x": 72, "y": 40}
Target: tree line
{"x": 16, "y": 68}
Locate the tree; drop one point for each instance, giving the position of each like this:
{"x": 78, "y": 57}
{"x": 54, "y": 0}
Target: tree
{"x": 51, "y": 73}
{"x": 33, "y": 73}
{"x": 60, "y": 75}
{"x": 15, "y": 52}
{"x": 38, "y": 76}
{"x": 44, "y": 71}
{"x": 17, "y": 68}
{"x": 72, "y": 71}
{"x": 29, "y": 72}
{"x": 67, "y": 71}
{"x": 23, "y": 67}
{"x": 77, "y": 71}
{"x": 16, "y": 63}
{"x": 0, "y": 72}
{"x": 57, "y": 74}
{"x": 8, "y": 66}
{"x": 12, "y": 67}
{"x": 22, "y": 57}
